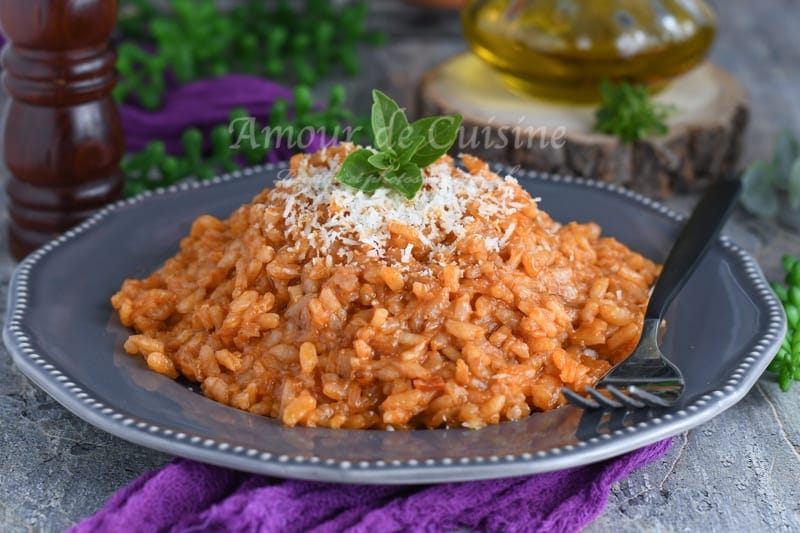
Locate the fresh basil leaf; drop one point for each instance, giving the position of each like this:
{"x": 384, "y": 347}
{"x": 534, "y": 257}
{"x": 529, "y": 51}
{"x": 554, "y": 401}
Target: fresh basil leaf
{"x": 388, "y": 121}
{"x": 357, "y": 172}
{"x": 758, "y": 191}
{"x": 786, "y": 152}
{"x": 793, "y": 185}
{"x": 382, "y": 160}
{"x": 405, "y": 140}
{"x": 408, "y": 153}
{"x": 439, "y": 134}
{"x": 407, "y": 179}
{"x": 403, "y": 149}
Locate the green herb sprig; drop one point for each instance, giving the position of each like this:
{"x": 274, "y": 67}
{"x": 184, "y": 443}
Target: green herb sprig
{"x": 786, "y": 364}
{"x": 290, "y": 42}
{"x": 403, "y": 149}
{"x": 763, "y": 182}
{"x": 627, "y": 112}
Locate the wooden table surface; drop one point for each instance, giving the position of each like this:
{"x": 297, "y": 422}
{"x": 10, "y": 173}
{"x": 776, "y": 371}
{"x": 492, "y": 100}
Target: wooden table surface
{"x": 738, "y": 472}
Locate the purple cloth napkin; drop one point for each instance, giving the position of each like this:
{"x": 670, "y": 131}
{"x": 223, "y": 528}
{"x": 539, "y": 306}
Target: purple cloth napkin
{"x": 204, "y": 104}
{"x": 187, "y": 496}
{"x": 190, "y": 496}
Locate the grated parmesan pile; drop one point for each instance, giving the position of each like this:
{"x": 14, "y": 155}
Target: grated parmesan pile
{"x": 329, "y": 214}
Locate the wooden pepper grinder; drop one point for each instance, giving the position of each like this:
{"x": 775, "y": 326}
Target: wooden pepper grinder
{"x": 62, "y": 135}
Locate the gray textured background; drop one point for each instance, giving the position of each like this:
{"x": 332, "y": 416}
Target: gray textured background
{"x": 739, "y": 472}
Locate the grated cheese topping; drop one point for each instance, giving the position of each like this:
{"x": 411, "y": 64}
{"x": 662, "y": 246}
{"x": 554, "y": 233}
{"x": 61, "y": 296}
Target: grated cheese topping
{"x": 334, "y": 216}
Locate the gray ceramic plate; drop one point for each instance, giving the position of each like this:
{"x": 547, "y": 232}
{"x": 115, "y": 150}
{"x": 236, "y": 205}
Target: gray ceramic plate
{"x": 723, "y": 330}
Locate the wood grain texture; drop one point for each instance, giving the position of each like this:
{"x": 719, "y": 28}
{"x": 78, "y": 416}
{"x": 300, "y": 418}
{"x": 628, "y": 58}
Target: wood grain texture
{"x": 703, "y": 143}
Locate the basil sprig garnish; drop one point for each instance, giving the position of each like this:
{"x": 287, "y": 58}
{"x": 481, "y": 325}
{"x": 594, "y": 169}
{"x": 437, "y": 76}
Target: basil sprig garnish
{"x": 403, "y": 149}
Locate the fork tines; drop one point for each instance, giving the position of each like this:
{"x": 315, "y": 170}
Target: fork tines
{"x": 632, "y": 398}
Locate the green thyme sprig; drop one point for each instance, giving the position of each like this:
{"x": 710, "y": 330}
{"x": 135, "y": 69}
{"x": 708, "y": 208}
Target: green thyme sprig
{"x": 403, "y": 149}
{"x": 627, "y": 112}
{"x": 787, "y": 361}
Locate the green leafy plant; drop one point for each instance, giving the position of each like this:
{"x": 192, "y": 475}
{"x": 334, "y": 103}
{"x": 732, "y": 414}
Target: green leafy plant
{"x": 134, "y": 17}
{"x": 786, "y": 364}
{"x": 627, "y": 112}
{"x": 153, "y": 167}
{"x": 764, "y": 182}
{"x": 196, "y": 40}
{"x": 140, "y": 73}
{"x": 403, "y": 149}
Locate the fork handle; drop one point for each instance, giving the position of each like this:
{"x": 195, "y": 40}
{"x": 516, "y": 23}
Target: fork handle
{"x": 695, "y": 239}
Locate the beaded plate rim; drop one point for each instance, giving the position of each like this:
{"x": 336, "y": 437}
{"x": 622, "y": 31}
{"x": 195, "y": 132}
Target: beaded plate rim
{"x": 41, "y": 370}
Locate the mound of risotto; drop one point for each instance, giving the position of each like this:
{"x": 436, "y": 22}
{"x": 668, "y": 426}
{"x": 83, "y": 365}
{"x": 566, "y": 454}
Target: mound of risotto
{"x": 321, "y": 305}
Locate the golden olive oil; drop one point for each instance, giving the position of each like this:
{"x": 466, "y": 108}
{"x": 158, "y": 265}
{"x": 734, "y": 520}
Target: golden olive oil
{"x": 562, "y": 49}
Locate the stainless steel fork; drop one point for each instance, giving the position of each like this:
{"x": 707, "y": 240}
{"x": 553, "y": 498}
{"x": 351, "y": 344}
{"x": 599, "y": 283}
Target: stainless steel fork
{"x": 647, "y": 378}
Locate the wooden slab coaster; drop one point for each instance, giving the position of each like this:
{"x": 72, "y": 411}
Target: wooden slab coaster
{"x": 703, "y": 142}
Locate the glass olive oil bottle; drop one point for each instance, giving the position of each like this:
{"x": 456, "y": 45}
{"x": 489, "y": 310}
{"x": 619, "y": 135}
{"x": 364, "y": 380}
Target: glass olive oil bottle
{"x": 562, "y": 49}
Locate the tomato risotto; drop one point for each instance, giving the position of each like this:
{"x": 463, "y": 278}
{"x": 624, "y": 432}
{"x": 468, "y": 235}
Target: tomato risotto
{"x": 321, "y": 305}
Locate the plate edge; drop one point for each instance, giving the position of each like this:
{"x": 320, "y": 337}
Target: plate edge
{"x": 71, "y": 396}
